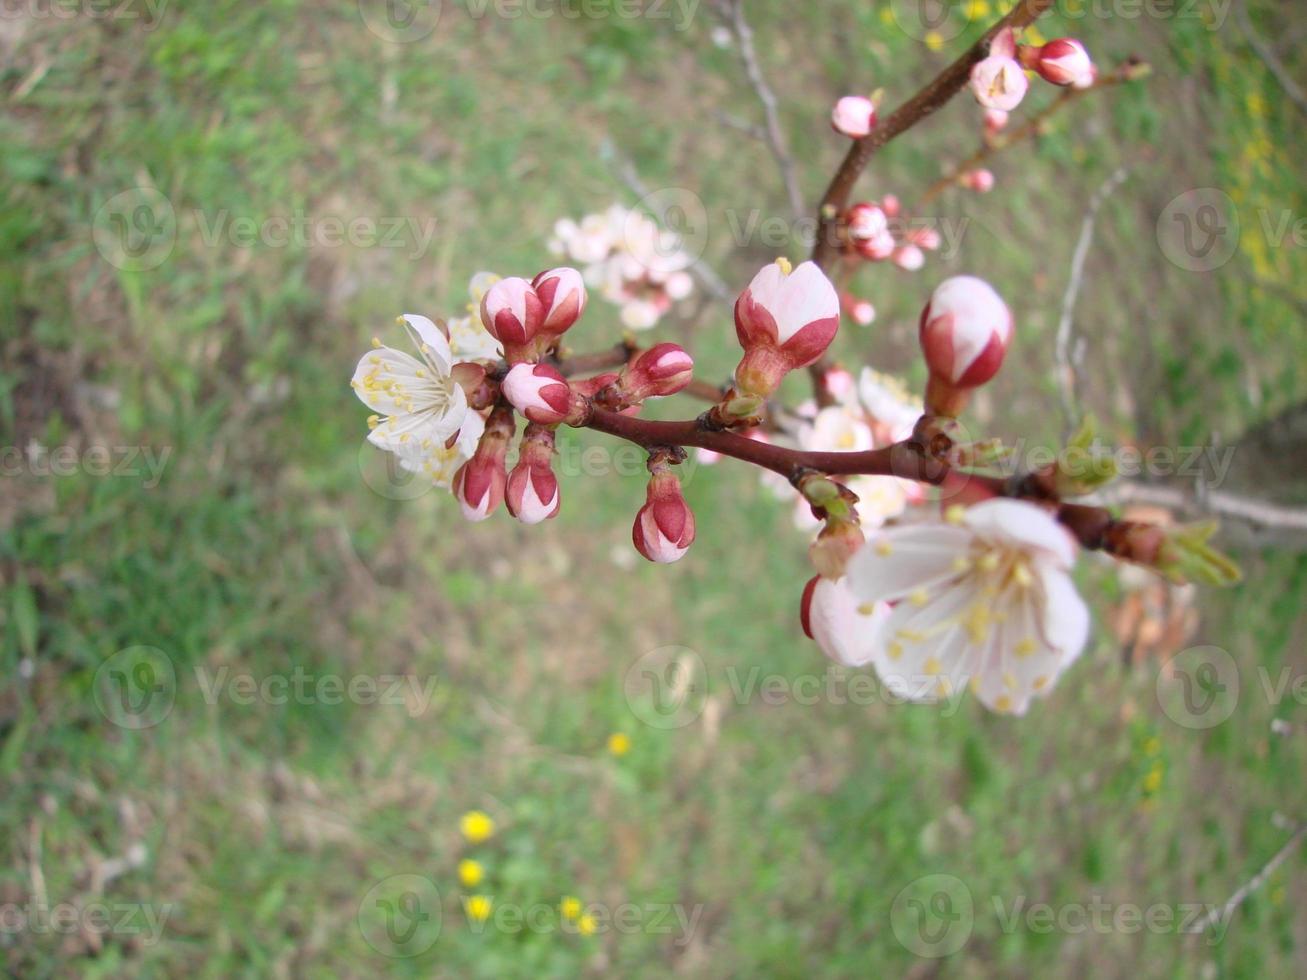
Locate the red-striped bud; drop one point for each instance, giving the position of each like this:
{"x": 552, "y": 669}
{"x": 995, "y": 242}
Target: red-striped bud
{"x": 664, "y": 527}
{"x": 784, "y": 320}
{"x": 539, "y": 392}
{"x": 532, "y": 494}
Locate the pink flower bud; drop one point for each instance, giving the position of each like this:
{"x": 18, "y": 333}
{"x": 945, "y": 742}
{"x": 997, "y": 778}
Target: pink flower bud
{"x": 532, "y": 493}
{"x": 784, "y": 320}
{"x": 866, "y": 221}
{"x": 562, "y": 296}
{"x": 998, "y": 82}
{"x": 479, "y": 483}
{"x": 663, "y": 369}
{"x": 539, "y": 392}
{"x": 965, "y": 331}
{"x": 909, "y": 257}
{"x": 890, "y": 205}
{"x": 1065, "y": 62}
{"x": 995, "y": 120}
{"x": 512, "y": 312}
{"x": 853, "y": 116}
{"x": 664, "y": 527}
{"x": 860, "y": 311}
{"x": 924, "y": 237}
{"x": 978, "y": 180}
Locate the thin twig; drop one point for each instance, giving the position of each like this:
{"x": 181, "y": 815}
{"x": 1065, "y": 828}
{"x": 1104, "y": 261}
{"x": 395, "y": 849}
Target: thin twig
{"x": 775, "y": 134}
{"x": 1259, "y": 513}
{"x": 1252, "y": 884}
{"x": 1066, "y": 363}
{"x": 1269, "y": 58}
{"x": 1030, "y": 127}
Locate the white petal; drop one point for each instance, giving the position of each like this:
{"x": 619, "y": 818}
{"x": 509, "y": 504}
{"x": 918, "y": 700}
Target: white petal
{"x": 901, "y": 560}
{"x": 437, "y": 346}
{"x": 1027, "y": 527}
{"x": 1065, "y": 624}
{"x": 843, "y": 633}
{"x": 922, "y": 656}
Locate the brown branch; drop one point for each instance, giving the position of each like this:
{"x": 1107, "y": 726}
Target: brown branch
{"x": 944, "y": 86}
{"x": 1028, "y": 129}
{"x": 1093, "y": 527}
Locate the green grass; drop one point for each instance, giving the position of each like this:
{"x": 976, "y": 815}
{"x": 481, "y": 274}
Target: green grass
{"x": 790, "y": 827}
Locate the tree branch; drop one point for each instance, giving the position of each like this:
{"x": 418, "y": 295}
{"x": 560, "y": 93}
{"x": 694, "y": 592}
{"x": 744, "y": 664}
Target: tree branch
{"x": 944, "y": 86}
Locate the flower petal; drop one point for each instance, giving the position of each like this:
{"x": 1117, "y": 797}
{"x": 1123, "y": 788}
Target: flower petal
{"x": 902, "y": 560}
{"x": 1024, "y": 526}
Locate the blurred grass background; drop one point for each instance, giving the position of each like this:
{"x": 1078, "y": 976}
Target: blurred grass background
{"x": 262, "y": 548}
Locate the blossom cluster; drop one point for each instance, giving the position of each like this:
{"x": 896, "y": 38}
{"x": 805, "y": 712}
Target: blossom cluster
{"x": 628, "y": 260}
{"x": 935, "y": 594}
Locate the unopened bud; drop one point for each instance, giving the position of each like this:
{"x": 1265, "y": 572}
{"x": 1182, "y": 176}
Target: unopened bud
{"x": 664, "y": 527}
{"x": 853, "y": 116}
{"x": 539, "y": 392}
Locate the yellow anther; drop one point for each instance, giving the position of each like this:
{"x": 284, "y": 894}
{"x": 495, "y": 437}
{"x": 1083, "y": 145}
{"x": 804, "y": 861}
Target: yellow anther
{"x": 894, "y": 649}
{"x": 867, "y": 608}
{"x": 932, "y": 666}
{"x": 1039, "y": 683}
{"x": 961, "y": 564}
{"x": 783, "y": 264}
{"x": 919, "y": 598}
{"x": 1003, "y": 704}
{"x": 976, "y": 622}
{"x": 883, "y": 548}
{"x": 1025, "y": 648}
{"x": 373, "y": 421}
{"x": 376, "y": 342}
{"x": 1021, "y": 575}
{"x": 955, "y": 513}
{"x": 988, "y": 562}
{"x": 912, "y": 636}
{"x": 1009, "y": 680}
